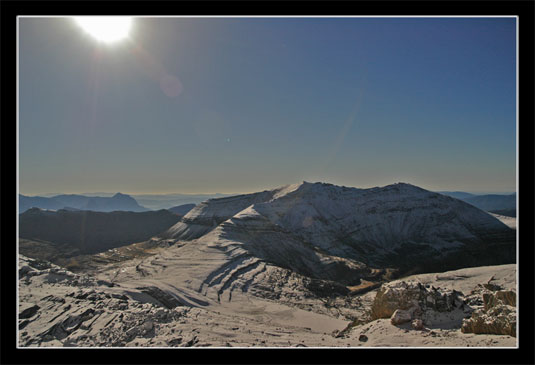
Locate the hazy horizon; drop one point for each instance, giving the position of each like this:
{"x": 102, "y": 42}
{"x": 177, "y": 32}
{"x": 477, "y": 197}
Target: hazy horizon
{"x": 95, "y": 193}
{"x": 239, "y": 105}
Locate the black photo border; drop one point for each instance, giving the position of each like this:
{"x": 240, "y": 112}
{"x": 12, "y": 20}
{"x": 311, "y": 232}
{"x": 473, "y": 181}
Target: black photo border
{"x": 525, "y": 11}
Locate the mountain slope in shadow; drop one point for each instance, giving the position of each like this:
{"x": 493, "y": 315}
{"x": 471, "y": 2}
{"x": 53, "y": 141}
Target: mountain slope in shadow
{"x": 93, "y": 232}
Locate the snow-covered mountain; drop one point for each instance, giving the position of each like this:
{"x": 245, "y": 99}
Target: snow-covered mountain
{"x": 327, "y": 231}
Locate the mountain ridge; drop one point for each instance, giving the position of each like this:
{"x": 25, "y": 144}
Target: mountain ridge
{"x": 117, "y": 202}
{"x": 398, "y": 225}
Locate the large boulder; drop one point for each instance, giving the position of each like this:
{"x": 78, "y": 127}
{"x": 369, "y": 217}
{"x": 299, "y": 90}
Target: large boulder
{"x": 413, "y": 296}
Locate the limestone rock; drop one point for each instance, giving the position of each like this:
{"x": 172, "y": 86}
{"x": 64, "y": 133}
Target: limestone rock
{"x": 498, "y": 315}
{"x": 393, "y": 296}
{"x": 417, "y": 324}
{"x": 28, "y": 310}
{"x": 132, "y": 332}
{"x": 405, "y": 295}
{"x": 501, "y": 297}
{"x": 401, "y": 316}
{"x": 147, "y": 326}
{"x": 498, "y": 320}
{"x": 25, "y": 270}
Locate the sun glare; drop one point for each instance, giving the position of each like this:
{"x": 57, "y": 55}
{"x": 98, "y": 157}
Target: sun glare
{"x": 105, "y": 28}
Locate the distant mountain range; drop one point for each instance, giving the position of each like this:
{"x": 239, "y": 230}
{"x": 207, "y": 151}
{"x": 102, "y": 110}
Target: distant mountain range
{"x": 90, "y": 231}
{"x": 167, "y": 201}
{"x": 156, "y": 201}
{"x": 496, "y": 203}
{"x": 504, "y": 204}
{"x": 493, "y": 202}
{"x": 117, "y": 202}
{"x": 457, "y": 194}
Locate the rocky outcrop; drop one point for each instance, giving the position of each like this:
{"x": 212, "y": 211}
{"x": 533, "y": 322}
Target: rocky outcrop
{"x": 28, "y": 310}
{"x": 492, "y": 309}
{"x": 413, "y": 298}
{"x": 69, "y": 309}
{"x": 500, "y": 297}
{"x": 499, "y": 320}
{"x": 162, "y": 297}
{"x": 498, "y": 315}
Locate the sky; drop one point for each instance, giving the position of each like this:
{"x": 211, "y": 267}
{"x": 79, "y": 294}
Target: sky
{"x": 237, "y": 105}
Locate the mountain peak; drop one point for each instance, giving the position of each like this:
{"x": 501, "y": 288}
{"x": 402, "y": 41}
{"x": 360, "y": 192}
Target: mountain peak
{"x": 404, "y": 186}
{"x": 123, "y": 197}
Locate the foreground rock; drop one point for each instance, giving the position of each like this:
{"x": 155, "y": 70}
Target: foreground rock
{"x": 498, "y": 315}
{"x": 492, "y": 309}
{"x": 403, "y": 301}
{"x": 429, "y": 309}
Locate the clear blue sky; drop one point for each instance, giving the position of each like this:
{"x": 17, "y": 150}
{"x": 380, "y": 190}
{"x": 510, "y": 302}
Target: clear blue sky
{"x": 265, "y": 102}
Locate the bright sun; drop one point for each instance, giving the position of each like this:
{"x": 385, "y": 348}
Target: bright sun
{"x": 105, "y": 28}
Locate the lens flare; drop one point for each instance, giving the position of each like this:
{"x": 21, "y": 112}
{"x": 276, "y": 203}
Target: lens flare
{"x": 107, "y": 29}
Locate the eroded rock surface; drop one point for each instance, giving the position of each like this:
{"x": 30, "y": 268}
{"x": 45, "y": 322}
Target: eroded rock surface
{"x": 498, "y": 315}
{"x": 413, "y": 296}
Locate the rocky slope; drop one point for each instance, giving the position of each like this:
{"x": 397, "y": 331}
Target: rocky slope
{"x": 58, "y": 308}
